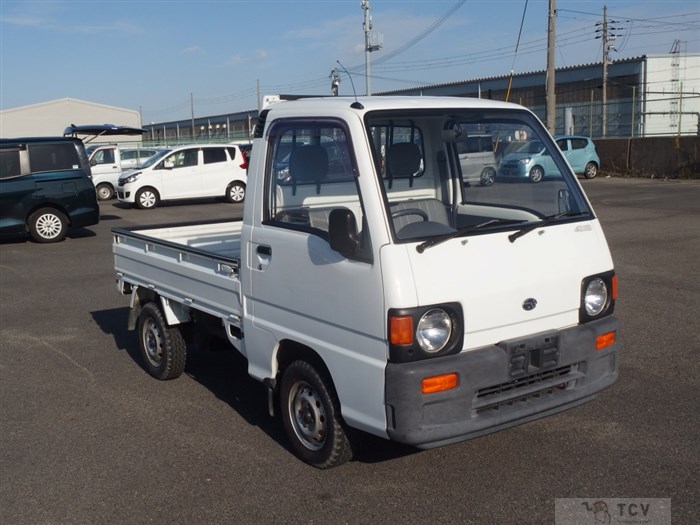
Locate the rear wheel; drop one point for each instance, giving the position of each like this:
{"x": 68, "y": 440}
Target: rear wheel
{"x": 104, "y": 191}
{"x": 591, "y": 170}
{"x": 536, "y": 174}
{"x": 311, "y": 417}
{"x": 48, "y": 225}
{"x": 235, "y": 192}
{"x": 163, "y": 347}
{"x": 147, "y": 198}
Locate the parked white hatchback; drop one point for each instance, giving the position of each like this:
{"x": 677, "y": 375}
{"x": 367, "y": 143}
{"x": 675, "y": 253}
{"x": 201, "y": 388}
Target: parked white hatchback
{"x": 186, "y": 172}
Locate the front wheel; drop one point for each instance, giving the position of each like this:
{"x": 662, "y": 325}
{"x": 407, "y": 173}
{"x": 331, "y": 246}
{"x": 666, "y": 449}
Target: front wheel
{"x": 163, "y": 347}
{"x": 311, "y": 417}
{"x": 536, "y": 174}
{"x": 488, "y": 176}
{"x": 235, "y": 192}
{"x": 591, "y": 170}
{"x": 147, "y": 198}
{"x": 48, "y": 225}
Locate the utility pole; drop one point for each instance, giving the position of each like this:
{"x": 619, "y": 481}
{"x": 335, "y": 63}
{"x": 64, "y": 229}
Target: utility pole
{"x": 551, "y": 86}
{"x": 335, "y": 82}
{"x": 369, "y": 45}
{"x": 192, "y": 113}
{"x": 607, "y": 37}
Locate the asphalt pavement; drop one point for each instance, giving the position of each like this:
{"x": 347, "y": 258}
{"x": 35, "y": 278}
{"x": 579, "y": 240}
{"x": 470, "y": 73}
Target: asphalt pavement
{"x": 87, "y": 436}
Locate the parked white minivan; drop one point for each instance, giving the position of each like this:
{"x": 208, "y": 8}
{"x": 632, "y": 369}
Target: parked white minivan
{"x": 186, "y": 172}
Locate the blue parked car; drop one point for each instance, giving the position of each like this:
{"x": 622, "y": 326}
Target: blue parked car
{"x": 533, "y": 162}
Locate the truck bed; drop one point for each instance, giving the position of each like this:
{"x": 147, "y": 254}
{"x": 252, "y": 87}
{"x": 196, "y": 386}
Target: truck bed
{"x": 195, "y": 265}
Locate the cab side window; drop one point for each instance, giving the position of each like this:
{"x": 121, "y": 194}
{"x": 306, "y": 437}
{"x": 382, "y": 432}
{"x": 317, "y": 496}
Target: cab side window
{"x": 311, "y": 173}
{"x": 563, "y": 144}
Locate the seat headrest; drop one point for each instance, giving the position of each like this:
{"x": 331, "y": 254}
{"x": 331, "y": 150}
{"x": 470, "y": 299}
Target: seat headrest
{"x": 403, "y": 160}
{"x": 308, "y": 163}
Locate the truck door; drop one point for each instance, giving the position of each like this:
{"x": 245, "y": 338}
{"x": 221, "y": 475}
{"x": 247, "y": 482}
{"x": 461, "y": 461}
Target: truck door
{"x": 301, "y": 289}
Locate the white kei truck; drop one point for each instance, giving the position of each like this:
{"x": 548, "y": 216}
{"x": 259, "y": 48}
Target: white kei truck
{"x": 371, "y": 288}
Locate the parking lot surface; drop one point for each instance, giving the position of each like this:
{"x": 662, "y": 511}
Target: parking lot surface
{"x": 87, "y": 436}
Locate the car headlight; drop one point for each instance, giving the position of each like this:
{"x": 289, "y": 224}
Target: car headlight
{"x": 526, "y": 160}
{"x": 424, "y": 332}
{"x": 595, "y": 296}
{"x": 598, "y": 294}
{"x": 434, "y": 330}
{"x": 131, "y": 178}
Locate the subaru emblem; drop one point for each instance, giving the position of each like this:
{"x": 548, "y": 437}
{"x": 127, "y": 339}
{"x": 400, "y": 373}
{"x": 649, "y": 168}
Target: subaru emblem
{"x": 529, "y": 304}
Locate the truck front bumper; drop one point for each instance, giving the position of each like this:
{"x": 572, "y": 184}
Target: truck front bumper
{"x": 499, "y": 386}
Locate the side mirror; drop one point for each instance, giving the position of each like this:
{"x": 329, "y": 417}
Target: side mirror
{"x": 168, "y": 164}
{"x": 93, "y": 162}
{"x": 342, "y": 232}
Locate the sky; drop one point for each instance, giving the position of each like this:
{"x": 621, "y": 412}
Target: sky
{"x": 169, "y": 58}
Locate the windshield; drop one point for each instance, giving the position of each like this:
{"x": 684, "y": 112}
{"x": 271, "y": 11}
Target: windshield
{"x": 445, "y": 172}
{"x": 155, "y": 158}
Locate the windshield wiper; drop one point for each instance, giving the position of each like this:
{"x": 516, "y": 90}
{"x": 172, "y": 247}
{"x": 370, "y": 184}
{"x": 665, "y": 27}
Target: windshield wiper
{"x": 544, "y": 221}
{"x": 463, "y": 231}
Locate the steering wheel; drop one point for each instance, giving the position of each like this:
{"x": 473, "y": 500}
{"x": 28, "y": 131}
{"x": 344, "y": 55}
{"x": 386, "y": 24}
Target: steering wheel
{"x": 410, "y": 211}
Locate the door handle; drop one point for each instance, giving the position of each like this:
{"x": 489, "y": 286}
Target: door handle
{"x": 264, "y": 249}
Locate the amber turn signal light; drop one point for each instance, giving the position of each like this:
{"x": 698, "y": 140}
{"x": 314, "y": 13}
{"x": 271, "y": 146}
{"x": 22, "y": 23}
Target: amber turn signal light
{"x": 401, "y": 330}
{"x": 604, "y": 340}
{"x": 433, "y": 384}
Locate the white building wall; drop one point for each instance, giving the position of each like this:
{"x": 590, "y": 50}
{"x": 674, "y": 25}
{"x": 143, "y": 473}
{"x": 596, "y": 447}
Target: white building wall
{"x": 673, "y": 95}
{"x": 49, "y": 119}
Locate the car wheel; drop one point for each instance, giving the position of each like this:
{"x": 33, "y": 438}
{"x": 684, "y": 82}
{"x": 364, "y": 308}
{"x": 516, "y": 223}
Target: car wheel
{"x": 488, "y": 176}
{"x": 104, "y": 192}
{"x": 147, "y": 198}
{"x": 536, "y": 174}
{"x": 163, "y": 348}
{"x": 48, "y": 225}
{"x": 235, "y": 192}
{"x": 591, "y": 170}
{"x": 311, "y": 417}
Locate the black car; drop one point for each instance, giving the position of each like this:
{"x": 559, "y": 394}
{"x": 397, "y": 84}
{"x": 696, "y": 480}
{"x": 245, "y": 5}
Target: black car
{"x": 45, "y": 187}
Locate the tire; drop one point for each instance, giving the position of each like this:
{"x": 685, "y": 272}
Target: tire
{"x": 104, "y": 191}
{"x": 311, "y": 417}
{"x": 488, "y": 176}
{"x": 162, "y": 347}
{"x": 235, "y": 192}
{"x": 147, "y": 199}
{"x": 47, "y": 225}
{"x": 536, "y": 174}
{"x": 591, "y": 170}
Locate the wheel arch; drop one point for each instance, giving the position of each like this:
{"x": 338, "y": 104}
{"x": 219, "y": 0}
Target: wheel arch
{"x": 53, "y": 205}
{"x": 289, "y": 351}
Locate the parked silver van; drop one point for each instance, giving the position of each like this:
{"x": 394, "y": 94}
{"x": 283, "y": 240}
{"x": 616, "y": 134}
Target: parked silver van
{"x": 477, "y": 159}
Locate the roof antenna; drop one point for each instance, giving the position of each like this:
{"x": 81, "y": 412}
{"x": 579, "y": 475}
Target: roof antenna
{"x": 356, "y": 104}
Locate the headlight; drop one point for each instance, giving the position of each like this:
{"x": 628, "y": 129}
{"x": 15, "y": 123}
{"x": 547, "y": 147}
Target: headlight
{"x": 595, "y": 296}
{"x": 598, "y": 294}
{"x": 434, "y": 330}
{"x": 131, "y": 178}
{"x": 425, "y": 332}
{"x": 526, "y": 160}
